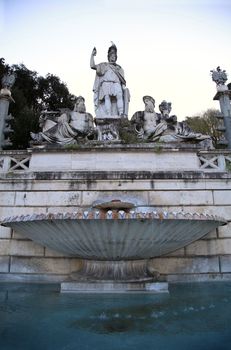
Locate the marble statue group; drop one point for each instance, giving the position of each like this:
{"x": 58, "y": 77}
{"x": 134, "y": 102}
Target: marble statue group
{"x": 111, "y": 102}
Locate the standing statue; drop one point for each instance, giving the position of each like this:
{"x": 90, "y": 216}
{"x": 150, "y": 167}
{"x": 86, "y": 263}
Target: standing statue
{"x": 111, "y": 97}
{"x": 66, "y": 128}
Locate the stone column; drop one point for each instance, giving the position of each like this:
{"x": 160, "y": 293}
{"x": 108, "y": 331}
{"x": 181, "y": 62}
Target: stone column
{"x": 223, "y": 96}
{"x": 4, "y": 108}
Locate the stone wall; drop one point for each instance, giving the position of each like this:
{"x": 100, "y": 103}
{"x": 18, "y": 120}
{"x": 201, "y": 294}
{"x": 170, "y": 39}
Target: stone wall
{"x": 24, "y": 190}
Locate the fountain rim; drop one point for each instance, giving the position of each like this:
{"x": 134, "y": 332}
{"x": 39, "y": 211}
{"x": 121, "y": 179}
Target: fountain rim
{"x": 113, "y": 215}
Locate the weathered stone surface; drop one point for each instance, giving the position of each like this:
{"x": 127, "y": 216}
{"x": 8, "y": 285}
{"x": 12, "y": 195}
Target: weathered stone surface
{"x": 178, "y": 252}
{"x": 222, "y": 197}
{"x": 77, "y": 183}
{"x": 5, "y": 232}
{"x": 21, "y": 248}
{"x": 53, "y": 254}
{"x": 70, "y": 209}
{"x": 4, "y": 263}
{"x": 211, "y": 235}
{"x": 116, "y": 287}
{"x": 102, "y": 175}
{"x": 180, "y": 197}
{"x": 16, "y": 185}
{"x": 13, "y": 211}
{"x": 209, "y": 247}
{"x": 198, "y": 277}
{"x": 225, "y": 263}
{"x": 224, "y": 231}
{"x": 44, "y": 265}
{"x": 47, "y": 198}
{"x": 114, "y": 161}
{"x": 32, "y": 278}
{"x": 52, "y": 161}
{"x": 192, "y": 184}
{"x": 186, "y": 265}
{"x": 138, "y": 198}
{"x": 19, "y": 236}
{"x": 7, "y": 198}
{"x": 220, "y": 211}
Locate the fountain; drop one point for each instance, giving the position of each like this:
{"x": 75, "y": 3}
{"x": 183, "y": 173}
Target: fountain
{"x": 115, "y": 237}
{"x": 116, "y": 244}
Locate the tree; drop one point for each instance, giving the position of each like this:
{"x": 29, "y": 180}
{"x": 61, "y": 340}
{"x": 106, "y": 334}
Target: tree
{"x": 53, "y": 93}
{"x": 206, "y": 123}
{"x": 32, "y": 94}
{"x": 26, "y": 108}
{"x": 3, "y": 67}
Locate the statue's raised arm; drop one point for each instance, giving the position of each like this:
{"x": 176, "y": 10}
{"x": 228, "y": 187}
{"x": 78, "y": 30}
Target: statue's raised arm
{"x": 92, "y": 60}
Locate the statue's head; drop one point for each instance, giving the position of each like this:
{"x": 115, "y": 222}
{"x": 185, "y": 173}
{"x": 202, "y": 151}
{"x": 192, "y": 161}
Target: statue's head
{"x": 165, "y": 107}
{"x": 112, "y": 54}
{"x": 149, "y": 103}
{"x": 80, "y": 105}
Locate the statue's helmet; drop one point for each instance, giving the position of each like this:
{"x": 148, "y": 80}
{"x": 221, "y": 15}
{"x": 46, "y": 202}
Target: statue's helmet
{"x": 112, "y": 49}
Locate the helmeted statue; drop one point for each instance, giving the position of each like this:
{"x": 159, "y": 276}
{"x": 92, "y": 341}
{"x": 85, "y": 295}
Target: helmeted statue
{"x": 111, "y": 97}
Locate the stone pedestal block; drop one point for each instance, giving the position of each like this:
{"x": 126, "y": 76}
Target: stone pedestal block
{"x": 114, "y": 287}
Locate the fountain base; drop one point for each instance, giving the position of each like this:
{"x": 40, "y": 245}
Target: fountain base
{"x": 114, "y": 277}
{"x": 113, "y": 287}
{"x": 120, "y": 271}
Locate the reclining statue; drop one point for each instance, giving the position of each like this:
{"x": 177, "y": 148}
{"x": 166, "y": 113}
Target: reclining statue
{"x": 66, "y": 128}
{"x": 163, "y": 127}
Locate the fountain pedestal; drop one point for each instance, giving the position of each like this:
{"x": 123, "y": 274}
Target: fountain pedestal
{"x": 115, "y": 277}
{"x": 113, "y": 287}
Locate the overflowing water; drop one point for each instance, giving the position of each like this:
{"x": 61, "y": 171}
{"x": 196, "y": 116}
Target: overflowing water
{"x": 191, "y": 316}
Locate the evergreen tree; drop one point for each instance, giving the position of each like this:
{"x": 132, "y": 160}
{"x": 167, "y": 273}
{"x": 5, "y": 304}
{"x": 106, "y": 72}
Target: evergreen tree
{"x": 32, "y": 94}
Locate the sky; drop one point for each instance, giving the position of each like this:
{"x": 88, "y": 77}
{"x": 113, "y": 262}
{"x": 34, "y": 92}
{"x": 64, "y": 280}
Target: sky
{"x": 166, "y": 47}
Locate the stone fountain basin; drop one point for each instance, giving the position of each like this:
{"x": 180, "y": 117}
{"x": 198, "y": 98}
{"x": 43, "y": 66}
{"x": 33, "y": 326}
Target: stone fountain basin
{"x": 114, "y": 234}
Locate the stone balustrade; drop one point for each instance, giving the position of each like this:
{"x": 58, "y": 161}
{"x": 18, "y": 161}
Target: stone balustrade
{"x": 206, "y": 161}
{"x": 14, "y": 161}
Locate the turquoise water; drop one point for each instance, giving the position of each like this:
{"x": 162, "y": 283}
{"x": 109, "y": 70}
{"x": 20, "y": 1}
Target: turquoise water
{"x": 192, "y": 316}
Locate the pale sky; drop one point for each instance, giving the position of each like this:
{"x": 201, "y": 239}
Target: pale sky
{"x": 166, "y": 48}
